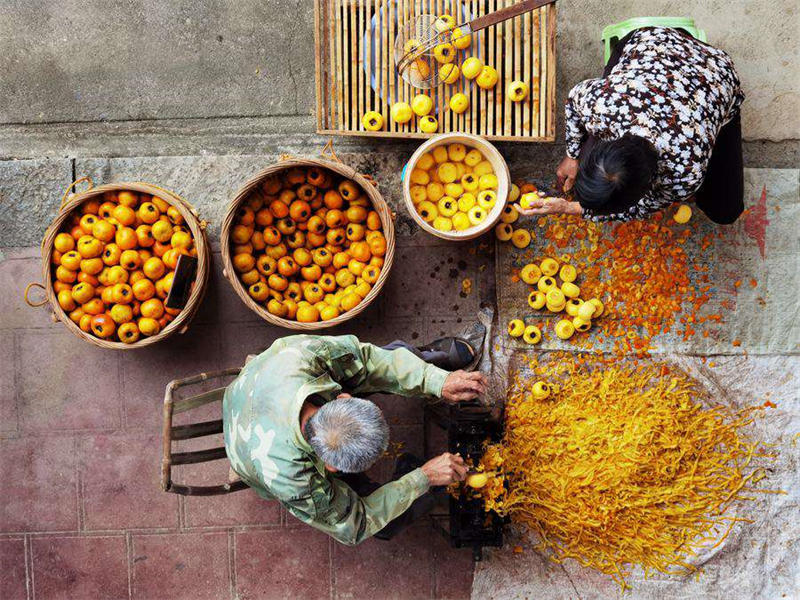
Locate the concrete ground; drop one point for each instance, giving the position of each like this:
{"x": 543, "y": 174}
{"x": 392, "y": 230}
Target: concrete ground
{"x": 196, "y": 97}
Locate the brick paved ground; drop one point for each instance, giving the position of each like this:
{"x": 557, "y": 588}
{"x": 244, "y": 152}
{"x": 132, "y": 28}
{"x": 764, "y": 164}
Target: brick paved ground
{"x": 82, "y": 515}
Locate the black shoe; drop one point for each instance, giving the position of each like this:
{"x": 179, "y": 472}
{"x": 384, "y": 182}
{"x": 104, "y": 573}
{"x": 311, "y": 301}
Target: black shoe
{"x": 452, "y": 353}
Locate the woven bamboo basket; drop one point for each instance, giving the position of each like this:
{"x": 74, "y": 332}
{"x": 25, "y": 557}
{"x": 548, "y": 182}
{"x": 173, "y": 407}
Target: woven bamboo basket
{"x": 71, "y": 201}
{"x": 379, "y": 204}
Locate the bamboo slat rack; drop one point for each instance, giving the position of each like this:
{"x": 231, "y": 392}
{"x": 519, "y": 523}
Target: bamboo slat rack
{"x": 355, "y": 69}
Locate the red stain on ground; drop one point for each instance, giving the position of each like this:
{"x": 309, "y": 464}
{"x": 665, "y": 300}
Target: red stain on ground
{"x": 755, "y": 221}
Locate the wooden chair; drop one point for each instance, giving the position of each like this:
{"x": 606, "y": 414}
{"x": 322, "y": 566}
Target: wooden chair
{"x": 173, "y": 433}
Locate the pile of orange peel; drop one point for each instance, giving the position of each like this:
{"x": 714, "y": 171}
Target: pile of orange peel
{"x": 640, "y": 270}
{"x": 625, "y": 463}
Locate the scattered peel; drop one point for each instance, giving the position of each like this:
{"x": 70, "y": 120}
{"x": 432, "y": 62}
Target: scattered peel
{"x": 623, "y": 465}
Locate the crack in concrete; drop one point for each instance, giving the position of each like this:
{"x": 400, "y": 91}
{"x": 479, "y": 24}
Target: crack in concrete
{"x": 572, "y": 583}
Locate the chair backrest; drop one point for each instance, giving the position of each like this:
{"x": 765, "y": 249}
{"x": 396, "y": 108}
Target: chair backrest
{"x": 173, "y": 433}
{"x": 614, "y": 33}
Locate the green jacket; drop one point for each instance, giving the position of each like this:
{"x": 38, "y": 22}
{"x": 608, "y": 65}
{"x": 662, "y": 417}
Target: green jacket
{"x": 261, "y": 415}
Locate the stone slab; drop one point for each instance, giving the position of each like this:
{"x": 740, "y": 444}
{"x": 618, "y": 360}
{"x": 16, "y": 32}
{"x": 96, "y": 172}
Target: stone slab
{"x": 97, "y": 60}
{"x": 173, "y": 558}
{"x": 13, "y": 573}
{"x": 268, "y": 564}
{"x": 124, "y": 493}
{"x": 30, "y": 194}
{"x": 76, "y": 568}
{"x": 39, "y": 485}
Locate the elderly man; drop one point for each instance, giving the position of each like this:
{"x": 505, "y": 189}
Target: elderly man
{"x": 293, "y": 434}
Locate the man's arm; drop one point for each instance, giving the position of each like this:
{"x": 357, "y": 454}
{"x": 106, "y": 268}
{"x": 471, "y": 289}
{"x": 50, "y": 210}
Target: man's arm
{"x": 350, "y": 519}
{"x": 398, "y": 371}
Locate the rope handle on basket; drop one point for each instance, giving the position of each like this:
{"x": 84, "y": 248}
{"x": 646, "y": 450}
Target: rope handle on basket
{"x": 327, "y": 151}
{"x": 72, "y": 185}
{"x": 27, "y": 291}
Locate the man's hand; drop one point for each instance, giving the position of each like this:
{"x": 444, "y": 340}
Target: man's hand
{"x": 445, "y": 469}
{"x": 566, "y": 172}
{"x": 550, "y": 206}
{"x": 462, "y": 385}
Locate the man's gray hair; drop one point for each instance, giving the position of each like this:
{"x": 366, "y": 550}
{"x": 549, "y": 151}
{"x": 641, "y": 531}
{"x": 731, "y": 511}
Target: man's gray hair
{"x": 348, "y": 434}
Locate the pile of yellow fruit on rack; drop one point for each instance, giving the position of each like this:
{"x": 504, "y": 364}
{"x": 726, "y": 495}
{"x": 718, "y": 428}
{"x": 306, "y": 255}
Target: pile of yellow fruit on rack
{"x": 453, "y": 187}
{"x": 553, "y": 287}
{"x": 115, "y": 262}
{"x": 307, "y": 244}
{"x": 450, "y": 72}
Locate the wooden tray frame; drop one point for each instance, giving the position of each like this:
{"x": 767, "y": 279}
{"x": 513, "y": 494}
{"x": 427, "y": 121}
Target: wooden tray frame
{"x": 344, "y": 94}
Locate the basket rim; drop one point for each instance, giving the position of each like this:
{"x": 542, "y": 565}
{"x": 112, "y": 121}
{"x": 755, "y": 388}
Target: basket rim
{"x": 193, "y": 221}
{"x": 503, "y": 189}
{"x": 379, "y": 205}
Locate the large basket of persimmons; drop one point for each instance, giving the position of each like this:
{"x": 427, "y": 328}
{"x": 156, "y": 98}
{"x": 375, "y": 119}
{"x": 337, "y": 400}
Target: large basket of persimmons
{"x": 308, "y": 243}
{"x": 109, "y": 259}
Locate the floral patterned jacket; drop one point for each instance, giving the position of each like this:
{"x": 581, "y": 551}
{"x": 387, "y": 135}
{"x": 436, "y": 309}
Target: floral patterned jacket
{"x": 669, "y": 88}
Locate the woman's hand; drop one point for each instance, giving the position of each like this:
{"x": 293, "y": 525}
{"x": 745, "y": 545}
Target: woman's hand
{"x": 550, "y": 206}
{"x": 463, "y": 385}
{"x": 566, "y": 172}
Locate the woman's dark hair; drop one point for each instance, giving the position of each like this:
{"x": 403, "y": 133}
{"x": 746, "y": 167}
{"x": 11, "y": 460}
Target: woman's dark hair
{"x": 614, "y": 175}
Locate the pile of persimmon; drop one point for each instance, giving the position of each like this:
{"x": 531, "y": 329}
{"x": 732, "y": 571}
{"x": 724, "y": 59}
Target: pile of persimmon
{"x": 307, "y": 244}
{"x": 114, "y": 263}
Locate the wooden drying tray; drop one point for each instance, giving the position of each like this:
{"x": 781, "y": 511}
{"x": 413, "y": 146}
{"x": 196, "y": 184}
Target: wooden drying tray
{"x": 521, "y": 48}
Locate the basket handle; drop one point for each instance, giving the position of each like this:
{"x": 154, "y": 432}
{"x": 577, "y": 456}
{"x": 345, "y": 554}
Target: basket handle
{"x": 67, "y": 191}
{"x": 27, "y": 291}
{"x": 327, "y": 151}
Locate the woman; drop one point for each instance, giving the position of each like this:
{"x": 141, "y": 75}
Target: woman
{"x": 662, "y": 125}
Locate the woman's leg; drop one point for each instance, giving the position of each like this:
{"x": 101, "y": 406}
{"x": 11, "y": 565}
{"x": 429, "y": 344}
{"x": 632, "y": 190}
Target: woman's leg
{"x": 721, "y": 195}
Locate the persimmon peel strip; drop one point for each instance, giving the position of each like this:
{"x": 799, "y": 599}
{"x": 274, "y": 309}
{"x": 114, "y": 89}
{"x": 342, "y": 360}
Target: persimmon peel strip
{"x": 626, "y": 463}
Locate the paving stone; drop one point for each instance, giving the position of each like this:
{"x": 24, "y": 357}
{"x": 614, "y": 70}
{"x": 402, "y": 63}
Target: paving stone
{"x": 30, "y": 197}
{"x": 13, "y": 585}
{"x": 185, "y": 565}
{"x": 38, "y": 485}
{"x": 238, "y": 340}
{"x": 239, "y": 508}
{"x": 400, "y": 568}
{"x": 115, "y": 67}
{"x": 427, "y": 282}
{"x": 15, "y": 274}
{"x": 146, "y": 372}
{"x": 221, "y": 304}
{"x": 80, "y": 567}
{"x": 121, "y": 486}
{"x": 81, "y": 386}
{"x": 282, "y": 563}
{"x": 8, "y": 399}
